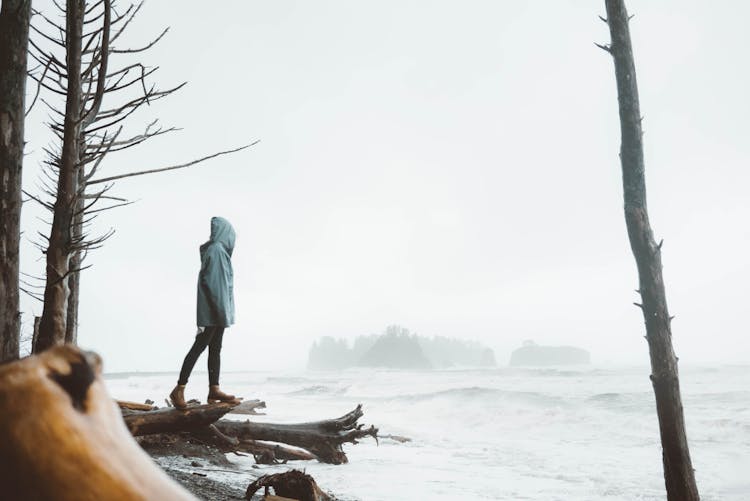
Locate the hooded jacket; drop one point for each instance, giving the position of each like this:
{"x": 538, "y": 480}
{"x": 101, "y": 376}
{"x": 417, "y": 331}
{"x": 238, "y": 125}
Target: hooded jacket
{"x": 216, "y": 277}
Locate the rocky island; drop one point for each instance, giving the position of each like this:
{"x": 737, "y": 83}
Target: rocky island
{"x": 535, "y": 355}
{"x": 397, "y": 348}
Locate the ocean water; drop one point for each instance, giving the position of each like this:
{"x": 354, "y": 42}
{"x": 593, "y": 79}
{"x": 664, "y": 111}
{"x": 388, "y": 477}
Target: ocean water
{"x": 580, "y": 433}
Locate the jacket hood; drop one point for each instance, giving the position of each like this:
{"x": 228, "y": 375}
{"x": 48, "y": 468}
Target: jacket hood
{"x": 222, "y": 233}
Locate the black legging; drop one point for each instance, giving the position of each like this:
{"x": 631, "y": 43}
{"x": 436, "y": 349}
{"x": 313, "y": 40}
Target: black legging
{"x": 211, "y": 337}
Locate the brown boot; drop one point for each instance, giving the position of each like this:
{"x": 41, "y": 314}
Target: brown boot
{"x": 178, "y": 397}
{"x": 216, "y": 395}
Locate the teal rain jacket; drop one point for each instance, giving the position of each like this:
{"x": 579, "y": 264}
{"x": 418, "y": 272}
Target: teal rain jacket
{"x": 216, "y": 278}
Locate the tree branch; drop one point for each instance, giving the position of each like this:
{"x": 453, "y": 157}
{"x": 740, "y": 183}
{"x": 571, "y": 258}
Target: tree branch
{"x": 101, "y": 81}
{"x": 174, "y": 167}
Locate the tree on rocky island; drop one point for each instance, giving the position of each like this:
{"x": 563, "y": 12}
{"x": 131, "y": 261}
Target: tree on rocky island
{"x": 396, "y": 349}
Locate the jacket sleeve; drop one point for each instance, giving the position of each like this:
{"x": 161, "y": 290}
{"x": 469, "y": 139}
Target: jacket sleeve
{"x": 214, "y": 282}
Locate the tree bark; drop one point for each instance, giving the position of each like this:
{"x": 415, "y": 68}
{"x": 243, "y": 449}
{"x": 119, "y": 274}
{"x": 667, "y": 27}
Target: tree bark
{"x": 678, "y": 470}
{"x": 74, "y": 280}
{"x": 76, "y": 258}
{"x": 52, "y": 327}
{"x": 14, "y": 35}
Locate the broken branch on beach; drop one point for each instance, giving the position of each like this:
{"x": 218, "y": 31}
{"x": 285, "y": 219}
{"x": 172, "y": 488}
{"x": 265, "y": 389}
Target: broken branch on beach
{"x": 265, "y": 453}
{"x": 249, "y": 407}
{"x": 322, "y": 438}
{"x": 134, "y": 406}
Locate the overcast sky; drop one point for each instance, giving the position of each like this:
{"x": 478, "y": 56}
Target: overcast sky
{"x": 448, "y": 166}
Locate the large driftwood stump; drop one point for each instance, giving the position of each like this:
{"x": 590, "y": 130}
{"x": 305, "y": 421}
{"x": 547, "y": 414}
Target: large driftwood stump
{"x": 322, "y": 438}
{"x": 57, "y": 402}
{"x": 292, "y": 484}
{"x": 171, "y": 420}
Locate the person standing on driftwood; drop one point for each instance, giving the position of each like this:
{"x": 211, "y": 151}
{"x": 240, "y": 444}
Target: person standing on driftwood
{"x": 215, "y": 311}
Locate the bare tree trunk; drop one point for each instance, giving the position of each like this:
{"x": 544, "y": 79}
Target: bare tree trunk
{"x": 74, "y": 281}
{"x": 52, "y": 327}
{"x": 35, "y": 333}
{"x": 74, "y": 284}
{"x": 76, "y": 259}
{"x": 14, "y": 36}
{"x": 678, "y": 470}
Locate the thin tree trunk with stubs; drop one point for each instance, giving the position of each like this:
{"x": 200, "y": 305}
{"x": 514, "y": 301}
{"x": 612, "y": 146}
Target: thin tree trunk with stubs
{"x": 74, "y": 288}
{"x": 52, "y": 327}
{"x": 14, "y": 35}
{"x": 678, "y": 470}
{"x": 76, "y": 259}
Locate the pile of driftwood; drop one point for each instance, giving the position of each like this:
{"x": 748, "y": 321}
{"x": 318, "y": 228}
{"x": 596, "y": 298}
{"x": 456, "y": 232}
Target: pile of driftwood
{"x": 269, "y": 443}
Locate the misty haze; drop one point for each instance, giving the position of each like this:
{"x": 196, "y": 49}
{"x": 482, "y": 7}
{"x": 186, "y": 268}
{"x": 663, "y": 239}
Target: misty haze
{"x": 425, "y": 247}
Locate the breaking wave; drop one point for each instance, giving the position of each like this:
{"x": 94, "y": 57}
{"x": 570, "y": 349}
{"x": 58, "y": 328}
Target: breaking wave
{"x": 317, "y": 389}
{"x": 485, "y": 395}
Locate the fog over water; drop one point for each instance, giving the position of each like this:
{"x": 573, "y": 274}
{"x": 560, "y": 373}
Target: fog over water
{"x": 447, "y": 166}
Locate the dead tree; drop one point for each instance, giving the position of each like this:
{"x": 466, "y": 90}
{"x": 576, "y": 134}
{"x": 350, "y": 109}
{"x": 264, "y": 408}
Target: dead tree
{"x": 14, "y": 34}
{"x": 88, "y": 132}
{"x": 60, "y": 244}
{"x": 678, "y": 470}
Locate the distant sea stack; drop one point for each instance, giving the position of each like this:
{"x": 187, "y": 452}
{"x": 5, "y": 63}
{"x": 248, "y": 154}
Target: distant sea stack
{"x": 397, "y": 348}
{"x": 535, "y": 355}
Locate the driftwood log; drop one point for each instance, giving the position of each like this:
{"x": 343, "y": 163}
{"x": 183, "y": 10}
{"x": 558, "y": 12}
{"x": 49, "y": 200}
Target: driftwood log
{"x": 170, "y": 420}
{"x": 265, "y": 453}
{"x": 249, "y": 407}
{"x": 57, "y": 402}
{"x": 322, "y": 438}
{"x": 292, "y": 484}
{"x": 134, "y": 406}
